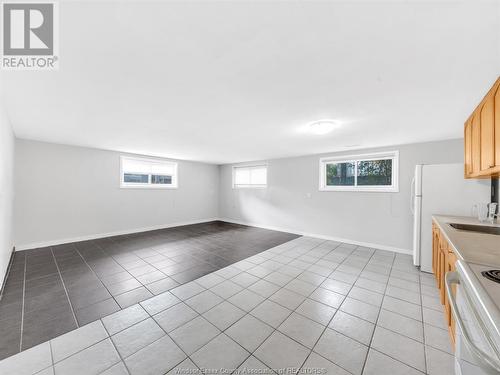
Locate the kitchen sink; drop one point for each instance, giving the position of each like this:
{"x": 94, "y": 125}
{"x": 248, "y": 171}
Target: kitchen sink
{"x": 476, "y": 228}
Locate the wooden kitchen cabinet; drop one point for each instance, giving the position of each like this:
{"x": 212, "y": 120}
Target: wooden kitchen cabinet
{"x": 497, "y": 125}
{"x": 476, "y": 143}
{"x": 451, "y": 261}
{"x": 468, "y": 148}
{"x": 443, "y": 261}
{"x": 487, "y": 131}
{"x": 482, "y": 137}
{"x": 443, "y": 251}
{"x": 435, "y": 249}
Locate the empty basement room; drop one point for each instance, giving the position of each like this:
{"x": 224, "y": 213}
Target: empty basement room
{"x": 250, "y": 187}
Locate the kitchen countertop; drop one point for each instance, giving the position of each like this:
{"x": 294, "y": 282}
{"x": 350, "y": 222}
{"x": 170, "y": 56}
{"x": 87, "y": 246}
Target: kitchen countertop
{"x": 473, "y": 247}
{"x": 477, "y": 252}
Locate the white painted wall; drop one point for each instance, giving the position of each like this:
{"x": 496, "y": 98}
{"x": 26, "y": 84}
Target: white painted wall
{"x": 65, "y": 193}
{"x": 6, "y": 191}
{"x": 382, "y": 219}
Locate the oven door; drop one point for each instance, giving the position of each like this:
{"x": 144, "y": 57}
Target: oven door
{"x": 474, "y": 352}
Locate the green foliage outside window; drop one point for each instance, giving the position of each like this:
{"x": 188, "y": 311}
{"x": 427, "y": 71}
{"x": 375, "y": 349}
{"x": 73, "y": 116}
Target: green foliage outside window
{"x": 369, "y": 173}
{"x": 375, "y": 172}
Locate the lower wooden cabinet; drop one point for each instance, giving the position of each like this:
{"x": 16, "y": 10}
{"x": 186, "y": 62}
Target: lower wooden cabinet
{"x": 450, "y": 267}
{"x": 443, "y": 261}
{"x": 435, "y": 253}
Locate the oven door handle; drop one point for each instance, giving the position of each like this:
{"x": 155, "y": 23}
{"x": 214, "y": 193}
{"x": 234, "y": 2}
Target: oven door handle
{"x": 489, "y": 364}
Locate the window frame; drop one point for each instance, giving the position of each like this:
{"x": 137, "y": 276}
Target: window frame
{"x": 250, "y": 186}
{"x": 387, "y": 155}
{"x": 149, "y": 185}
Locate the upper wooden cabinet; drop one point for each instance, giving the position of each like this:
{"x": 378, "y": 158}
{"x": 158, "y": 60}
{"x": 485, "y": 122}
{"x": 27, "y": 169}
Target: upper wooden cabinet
{"x": 497, "y": 124}
{"x": 468, "y": 148}
{"x": 476, "y": 143}
{"x": 487, "y": 120}
{"x": 482, "y": 137}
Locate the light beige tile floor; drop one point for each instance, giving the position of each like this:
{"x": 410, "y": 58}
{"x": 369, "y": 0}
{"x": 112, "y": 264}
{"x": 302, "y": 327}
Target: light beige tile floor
{"x": 308, "y": 303}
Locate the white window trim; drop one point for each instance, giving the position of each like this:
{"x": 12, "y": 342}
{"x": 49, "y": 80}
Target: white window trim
{"x": 393, "y": 155}
{"x": 128, "y": 185}
{"x": 248, "y": 186}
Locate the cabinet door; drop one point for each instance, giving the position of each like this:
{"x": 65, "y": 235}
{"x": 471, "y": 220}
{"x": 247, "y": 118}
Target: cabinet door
{"x": 476, "y": 143}
{"x": 497, "y": 127}
{"x": 435, "y": 251}
{"x": 450, "y": 267}
{"x": 447, "y": 308}
{"x": 452, "y": 259}
{"x": 442, "y": 270}
{"x": 487, "y": 130}
{"x": 442, "y": 266}
{"x": 468, "y": 148}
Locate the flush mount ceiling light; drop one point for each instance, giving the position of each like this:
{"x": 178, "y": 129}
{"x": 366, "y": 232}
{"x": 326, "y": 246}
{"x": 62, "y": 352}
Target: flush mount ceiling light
{"x": 321, "y": 127}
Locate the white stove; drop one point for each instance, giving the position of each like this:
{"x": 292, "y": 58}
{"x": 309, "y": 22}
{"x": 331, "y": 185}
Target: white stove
{"x": 476, "y": 309}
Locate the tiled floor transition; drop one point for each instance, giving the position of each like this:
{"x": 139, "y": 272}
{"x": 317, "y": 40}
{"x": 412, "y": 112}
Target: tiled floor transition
{"x": 53, "y": 290}
{"x": 309, "y": 304}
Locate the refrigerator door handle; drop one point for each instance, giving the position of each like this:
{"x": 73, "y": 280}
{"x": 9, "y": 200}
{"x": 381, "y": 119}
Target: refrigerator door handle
{"x": 412, "y": 196}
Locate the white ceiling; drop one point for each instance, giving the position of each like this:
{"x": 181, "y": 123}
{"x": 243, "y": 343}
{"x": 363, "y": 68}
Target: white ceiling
{"x": 221, "y": 81}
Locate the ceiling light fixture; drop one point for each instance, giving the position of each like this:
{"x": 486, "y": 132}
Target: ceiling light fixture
{"x": 321, "y": 127}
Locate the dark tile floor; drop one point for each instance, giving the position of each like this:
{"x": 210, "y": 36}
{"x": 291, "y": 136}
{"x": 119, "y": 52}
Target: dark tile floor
{"x": 53, "y": 290}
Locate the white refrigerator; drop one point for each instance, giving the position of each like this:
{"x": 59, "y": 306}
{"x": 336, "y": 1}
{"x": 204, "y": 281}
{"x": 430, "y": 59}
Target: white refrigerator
{"x": 441, "y": 189}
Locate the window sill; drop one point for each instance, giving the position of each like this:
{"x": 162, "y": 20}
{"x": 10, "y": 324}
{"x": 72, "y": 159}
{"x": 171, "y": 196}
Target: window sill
{"x": 147, "y": 187}
{"x": 249, "y": 187}
{"x": 361, "y": 190}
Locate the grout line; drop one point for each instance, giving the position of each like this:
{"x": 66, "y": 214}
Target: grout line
{"x": 79, "y": 350}
{"x": 268, "y": 299}
{"x": 423, "y": 323}
{"x": 114, "y": 346}
{"x": 51, "y": 354}
{"x": 378, "y": 316}
{"x": 337, "y": 310}
{"x": 24, "y": 297}
{"x": 64, "y": 286}
{"x": 92, "y": 270}
{"x": 398, "y": 333}
{"x": 111, "y": 256}
{"x": 124, "y": 270}
{"x": 291, "y": 338}
{"x": 170, "y": 337}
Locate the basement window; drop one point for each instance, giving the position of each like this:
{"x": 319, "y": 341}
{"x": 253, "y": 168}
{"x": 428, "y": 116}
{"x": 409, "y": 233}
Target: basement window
{"x": 376, "y": 172}
{"x": 250, "y": 176}
{"x": 147, "y": 173}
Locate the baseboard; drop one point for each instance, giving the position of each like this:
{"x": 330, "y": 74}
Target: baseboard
{"x": 322, "y": 236}
{"x": 178, "y": 224}
{"x": 35, "y": 245}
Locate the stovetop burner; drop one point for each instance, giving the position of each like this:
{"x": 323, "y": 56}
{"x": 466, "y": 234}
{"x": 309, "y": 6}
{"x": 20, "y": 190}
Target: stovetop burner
{"x": 493, "y": 275}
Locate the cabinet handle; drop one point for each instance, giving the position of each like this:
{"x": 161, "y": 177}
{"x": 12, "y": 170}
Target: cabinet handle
{"x": 488, "y": 363}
